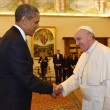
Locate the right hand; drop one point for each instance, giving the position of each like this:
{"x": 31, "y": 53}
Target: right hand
{"x": 57, "y": 91}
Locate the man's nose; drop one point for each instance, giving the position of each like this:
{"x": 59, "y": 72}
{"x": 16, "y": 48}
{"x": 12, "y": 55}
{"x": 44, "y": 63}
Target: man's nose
{"x": 77, "y": 43}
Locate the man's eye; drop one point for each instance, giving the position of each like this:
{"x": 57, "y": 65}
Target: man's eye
{"x": 78, "y": 39}
{"x": 37, "y": 22}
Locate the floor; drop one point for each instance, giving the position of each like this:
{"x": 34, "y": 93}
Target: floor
{"x": 46, "y": 102}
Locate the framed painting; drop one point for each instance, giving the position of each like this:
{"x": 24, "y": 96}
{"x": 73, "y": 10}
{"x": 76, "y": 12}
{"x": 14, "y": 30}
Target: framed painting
{"x": 43, "y": 42}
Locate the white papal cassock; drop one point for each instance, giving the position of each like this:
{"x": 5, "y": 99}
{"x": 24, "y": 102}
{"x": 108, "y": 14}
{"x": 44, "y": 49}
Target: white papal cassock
{"x": 92, "y": 75}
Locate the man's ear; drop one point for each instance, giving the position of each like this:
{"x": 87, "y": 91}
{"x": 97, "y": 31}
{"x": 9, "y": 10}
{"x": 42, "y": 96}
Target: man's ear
{"x": 90, "y": 36}
{"x": 24, "y": 20}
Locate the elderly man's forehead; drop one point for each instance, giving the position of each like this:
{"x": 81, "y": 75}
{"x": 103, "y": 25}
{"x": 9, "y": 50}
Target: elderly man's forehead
{"x": 80, "y": 32}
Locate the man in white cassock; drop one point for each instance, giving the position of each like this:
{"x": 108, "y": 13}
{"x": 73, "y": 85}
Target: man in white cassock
{"x": 92, "y": 72}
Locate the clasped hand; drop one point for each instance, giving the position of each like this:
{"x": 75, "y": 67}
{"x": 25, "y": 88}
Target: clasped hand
{"x": 57, "y": 90}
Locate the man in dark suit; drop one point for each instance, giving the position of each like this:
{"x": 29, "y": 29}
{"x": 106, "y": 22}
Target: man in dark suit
{"x": 58, "y": 60}
{"x": 17, "y": 81}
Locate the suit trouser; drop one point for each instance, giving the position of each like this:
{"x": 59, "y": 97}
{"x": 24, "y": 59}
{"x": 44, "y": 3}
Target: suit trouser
{"x": 58, "y": 74}
{"x": 65, "y": 74}
{"x": 43, "y": 72}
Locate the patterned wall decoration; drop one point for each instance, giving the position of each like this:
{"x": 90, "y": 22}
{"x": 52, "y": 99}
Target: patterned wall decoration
{"x": 61, "y": 7}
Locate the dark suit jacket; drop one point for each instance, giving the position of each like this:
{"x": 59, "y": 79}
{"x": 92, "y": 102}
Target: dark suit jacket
{"x": 55, "y": 61}
{"x": 17, "y": 81}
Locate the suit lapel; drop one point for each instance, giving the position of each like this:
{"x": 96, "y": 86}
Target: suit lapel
{"x": 25, "y": 44}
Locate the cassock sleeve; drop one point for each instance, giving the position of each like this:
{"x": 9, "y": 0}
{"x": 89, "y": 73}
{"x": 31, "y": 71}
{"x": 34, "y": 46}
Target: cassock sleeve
{"x": 106, "y": 79}
{"x": 106, "y": 104}
{"x": 69, "y": 85}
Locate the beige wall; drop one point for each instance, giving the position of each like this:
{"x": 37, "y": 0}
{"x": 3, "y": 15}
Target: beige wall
{"x": 65, "y": 26}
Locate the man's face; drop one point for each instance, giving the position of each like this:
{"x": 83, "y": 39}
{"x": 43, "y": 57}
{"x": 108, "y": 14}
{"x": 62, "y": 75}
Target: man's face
{"x": 82, "y": 39}
{"x": 32, "y": 25}
{"x": 58, "y": 51}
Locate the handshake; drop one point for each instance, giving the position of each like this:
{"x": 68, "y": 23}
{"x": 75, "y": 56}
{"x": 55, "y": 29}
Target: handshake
{"x": 57, "y": 90}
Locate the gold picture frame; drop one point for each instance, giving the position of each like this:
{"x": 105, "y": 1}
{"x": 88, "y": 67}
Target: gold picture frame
{"x": 43, "y": 41}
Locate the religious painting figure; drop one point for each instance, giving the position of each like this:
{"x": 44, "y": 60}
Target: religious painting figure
{"x": 100, "y": 6}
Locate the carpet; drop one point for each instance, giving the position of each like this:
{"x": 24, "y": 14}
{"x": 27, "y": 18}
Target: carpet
{"x": 46, "y": 102}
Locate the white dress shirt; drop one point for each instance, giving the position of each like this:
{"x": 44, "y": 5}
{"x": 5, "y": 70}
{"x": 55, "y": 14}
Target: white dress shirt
{"x": 21, "y": 31}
